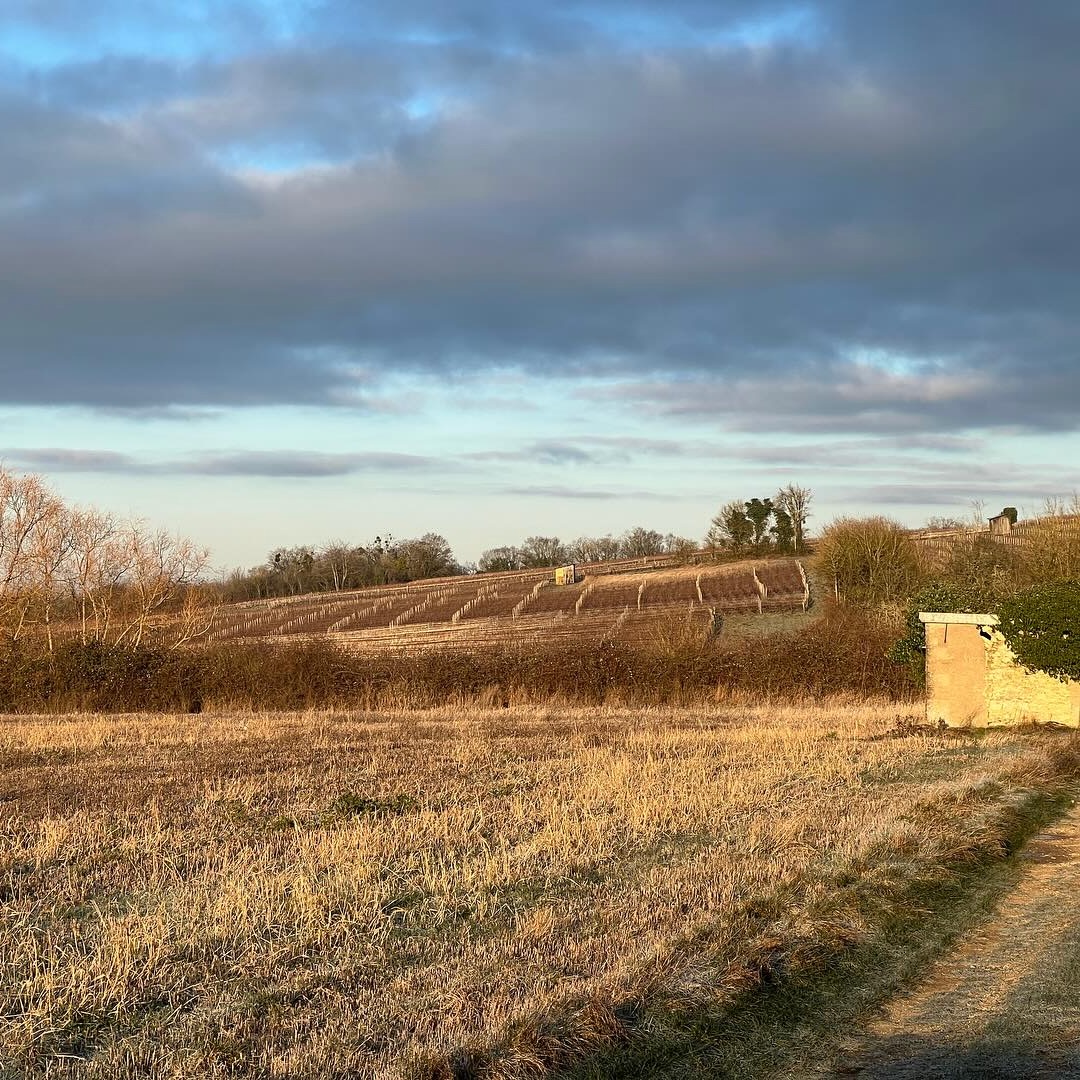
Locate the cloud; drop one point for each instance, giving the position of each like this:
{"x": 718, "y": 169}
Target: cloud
{"x": 858, "y": 397}
{"x": 544, "y": 452}
{"x": 933, "y": 451}
{"x": 959, "y": 494}
{"x": 309, "y": 464}
{"x": 253, "y": 463}
{"x": 567, "y": 491}
{"x": 697, "y": 213}
{"x": 58, "y": 460}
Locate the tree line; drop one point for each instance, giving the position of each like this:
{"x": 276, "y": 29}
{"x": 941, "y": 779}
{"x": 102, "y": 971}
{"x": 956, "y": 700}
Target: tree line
{"x": 105, "y": 578}
{"x": 116, "y": 580}
{"x": 338, "y": 565}
{"x": 540, "y": 551}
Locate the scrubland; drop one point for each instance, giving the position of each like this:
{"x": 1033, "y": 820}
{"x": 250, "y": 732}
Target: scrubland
{"x": 513, "y": 892}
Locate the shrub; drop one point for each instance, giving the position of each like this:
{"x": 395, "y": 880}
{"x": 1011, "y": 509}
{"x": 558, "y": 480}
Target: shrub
{"x": 868, "y": 560}
{"x": 1042, "y": 627}
{"x": 985, "y": 570}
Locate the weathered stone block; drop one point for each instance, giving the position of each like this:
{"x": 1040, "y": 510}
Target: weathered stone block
{"x": 974, "y": 680}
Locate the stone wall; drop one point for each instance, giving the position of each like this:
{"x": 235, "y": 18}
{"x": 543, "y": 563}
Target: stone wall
{"x": 973, "y": 679}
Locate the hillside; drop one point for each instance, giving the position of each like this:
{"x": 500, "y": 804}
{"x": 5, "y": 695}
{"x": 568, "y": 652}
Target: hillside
{"x": 630, "y": 601}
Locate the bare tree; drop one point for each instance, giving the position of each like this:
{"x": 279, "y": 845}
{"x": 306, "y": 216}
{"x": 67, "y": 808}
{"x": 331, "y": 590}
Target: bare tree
{"x": 639, "y": 541}
{"x": 161, "y": 567}
{"x": 500, "y": 558}
{"x": 50, "y": 547}
{"x": 26, "y": 508}
{"x": 680, "y": 546}
{"x": 196, "y": 616}
{"x": 586, "y": 549}
{"x": 795, "y": 502}
{"x": 539, "y": 551}
{"x": 109, "y": 581}
{"x": 97, "y": 564}
{"x": 337, "y": 559}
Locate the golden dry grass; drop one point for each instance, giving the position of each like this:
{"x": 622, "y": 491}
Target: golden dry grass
{"x": 491, "y": 892}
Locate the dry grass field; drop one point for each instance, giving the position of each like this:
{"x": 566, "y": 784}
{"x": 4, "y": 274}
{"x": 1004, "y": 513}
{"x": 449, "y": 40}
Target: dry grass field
{"x": 461, "y": 893}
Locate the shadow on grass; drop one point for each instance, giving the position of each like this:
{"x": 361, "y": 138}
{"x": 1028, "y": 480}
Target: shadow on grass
{"x": 909, "y": 1057}
{"x": 796, "y": 1028}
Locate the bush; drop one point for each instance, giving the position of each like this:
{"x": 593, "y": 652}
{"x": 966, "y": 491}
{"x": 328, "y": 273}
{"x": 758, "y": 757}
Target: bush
{"x": 1042, "y": 627}
{"x": 868, "y": 560}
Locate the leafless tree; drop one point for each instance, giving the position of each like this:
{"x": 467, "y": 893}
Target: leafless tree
{"x": 337, "y": 558}
{"x": 795, "y": 502}
{"x": 587, "y": 549}
{"x": 27, "y": 507}
{"x": 97, "y": 565}
{"x": 161, "y": 567}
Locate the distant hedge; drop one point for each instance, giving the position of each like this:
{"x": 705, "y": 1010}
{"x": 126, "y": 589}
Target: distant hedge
{"x": 845, "y": 653}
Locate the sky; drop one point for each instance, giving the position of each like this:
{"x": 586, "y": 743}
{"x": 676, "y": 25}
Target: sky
{"x": 287, "y": 271}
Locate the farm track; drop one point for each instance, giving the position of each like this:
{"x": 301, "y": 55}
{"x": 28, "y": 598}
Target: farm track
{"x": 1004, "y": 1002}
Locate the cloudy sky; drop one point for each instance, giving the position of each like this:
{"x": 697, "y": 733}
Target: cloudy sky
{"x": 275, "y": 271}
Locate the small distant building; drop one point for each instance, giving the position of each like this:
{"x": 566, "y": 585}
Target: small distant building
{"x": 973, "y": 679}
{"x": 566, "y": 575}
{"x": 1001, "y": 524}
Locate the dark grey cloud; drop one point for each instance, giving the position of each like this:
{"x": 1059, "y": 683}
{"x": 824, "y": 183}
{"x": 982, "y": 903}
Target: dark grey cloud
{"x": 873, "y": 228}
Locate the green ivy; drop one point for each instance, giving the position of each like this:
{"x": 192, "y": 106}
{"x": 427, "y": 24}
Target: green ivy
{"x": 1042, "y": 627}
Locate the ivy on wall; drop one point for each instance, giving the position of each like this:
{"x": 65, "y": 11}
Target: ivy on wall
{"x": 1042, "y": 627}
{"x": 910, "y": 650}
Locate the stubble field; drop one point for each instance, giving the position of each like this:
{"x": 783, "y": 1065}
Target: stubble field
{"x": 515, "y": 892}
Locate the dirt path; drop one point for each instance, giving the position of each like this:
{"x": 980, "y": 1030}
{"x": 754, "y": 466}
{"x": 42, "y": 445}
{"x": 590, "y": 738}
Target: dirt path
{"x": 1006, "y": 1002}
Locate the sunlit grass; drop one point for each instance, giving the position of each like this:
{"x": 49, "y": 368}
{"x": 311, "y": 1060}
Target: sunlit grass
{"x": 329, "y": 894}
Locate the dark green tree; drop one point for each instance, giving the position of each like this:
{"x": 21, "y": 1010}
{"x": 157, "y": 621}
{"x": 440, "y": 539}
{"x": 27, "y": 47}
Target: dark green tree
{"x": 731, "y": 528}
{"x": 783, "y": 530}
{"x": 759, "y": 511}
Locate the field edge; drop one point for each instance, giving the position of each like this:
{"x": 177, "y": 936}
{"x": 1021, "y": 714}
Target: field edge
{"x": 798, "y": 1002}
